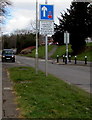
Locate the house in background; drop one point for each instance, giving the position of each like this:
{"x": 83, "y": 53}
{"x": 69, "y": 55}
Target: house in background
{"x": 88, "y": 40}
{"x": 42, "y": 40}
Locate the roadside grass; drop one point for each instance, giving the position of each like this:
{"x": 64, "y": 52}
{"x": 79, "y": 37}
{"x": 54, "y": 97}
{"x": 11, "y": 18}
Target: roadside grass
{"x": 87, "y": 52}
{"x": 89, "y": 44}
{"x": 61, "y": 50}
{"x": 41, "y": 51}
{"x": 39, "y": 96}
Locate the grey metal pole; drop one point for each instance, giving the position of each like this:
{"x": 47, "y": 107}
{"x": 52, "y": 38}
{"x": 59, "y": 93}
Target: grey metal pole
{"x": 0, "y": 39}
{"x": 46, "y": 56}
{"x": 46, "y": 52}
{"x": 36, "y": 53}
{"x": 45, "y": 1}
{"x": 1, "y": 67}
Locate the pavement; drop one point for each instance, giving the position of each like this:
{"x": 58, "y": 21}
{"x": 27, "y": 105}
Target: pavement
{"x": 51, "y": 52}
{"x": 0, "y": 91}
{"x": 9, "y": 105}
{"x": 72, "y": 62}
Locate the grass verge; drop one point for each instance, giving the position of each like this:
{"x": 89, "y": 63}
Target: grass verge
{"x": 87, "y": 52}
{"x": 48, "y": 97}
{"x": 61, "y": 50}
{"x": 41, "y": 52}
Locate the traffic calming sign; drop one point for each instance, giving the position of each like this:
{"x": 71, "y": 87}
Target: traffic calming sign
{"x": 46, "y": 12}
{"x": 46, "y": 27}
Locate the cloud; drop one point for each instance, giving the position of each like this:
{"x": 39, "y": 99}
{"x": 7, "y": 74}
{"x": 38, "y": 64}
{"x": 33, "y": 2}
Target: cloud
{"x": 20, "y": 20}
{"x": 24, "y": 11}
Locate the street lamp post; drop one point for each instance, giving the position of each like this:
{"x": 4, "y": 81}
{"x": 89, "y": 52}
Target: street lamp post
{"x": 36, "y": 53}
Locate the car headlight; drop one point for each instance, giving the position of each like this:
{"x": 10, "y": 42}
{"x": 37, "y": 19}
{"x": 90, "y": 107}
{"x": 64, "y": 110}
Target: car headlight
{"x": 3, "y": 56}
{"x": 13, "y": 56}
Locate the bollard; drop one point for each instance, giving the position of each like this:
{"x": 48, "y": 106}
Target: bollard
{"x": 69, "y": 58}
{"x": 85, "y": 59}
{"x": 63, "y": 58}
{"x": 75, "y": 59}
{"x": 57, "y": 58}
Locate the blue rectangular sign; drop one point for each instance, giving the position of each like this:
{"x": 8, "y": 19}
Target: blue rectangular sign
{"x": 46, "y": 12}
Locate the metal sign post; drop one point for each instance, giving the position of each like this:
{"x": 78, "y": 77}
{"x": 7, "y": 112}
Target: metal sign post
{"x": 46, "y": 27}
{"x": 46, "y": 55}
{"x": 36, "y": 53}
{"x": 46, "y": 52}
{"x": 45, "y": 1}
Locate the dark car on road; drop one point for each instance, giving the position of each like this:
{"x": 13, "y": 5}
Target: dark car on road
{"x": 8, "y": 55}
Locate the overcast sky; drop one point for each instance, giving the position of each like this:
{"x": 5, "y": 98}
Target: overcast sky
{"x": 23, "y": 12}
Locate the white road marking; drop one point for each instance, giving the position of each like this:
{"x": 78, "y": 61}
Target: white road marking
{"x": 18, "y": 62}
{"x": 7, "y": 88}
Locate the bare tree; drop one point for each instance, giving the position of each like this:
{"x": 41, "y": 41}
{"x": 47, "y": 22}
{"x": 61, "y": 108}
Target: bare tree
{"x": 33, "y": 26}
{"x": 3, "y": 14}
{"x": 3, "y": 11}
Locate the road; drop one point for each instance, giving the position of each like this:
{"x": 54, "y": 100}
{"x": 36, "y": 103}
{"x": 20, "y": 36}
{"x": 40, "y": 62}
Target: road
{"x": 72, "y": 74}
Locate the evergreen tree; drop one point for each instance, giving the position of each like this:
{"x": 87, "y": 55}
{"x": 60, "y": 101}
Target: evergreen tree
{"x": 79, "y": 30}
{"x": 58, "y": 36}
{"x": 75, "y": 21}
{"x": 89, "y": 20}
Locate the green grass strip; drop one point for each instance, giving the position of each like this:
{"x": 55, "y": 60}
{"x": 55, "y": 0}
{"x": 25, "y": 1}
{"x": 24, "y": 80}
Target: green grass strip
{"x": 39, "y": 96}
{"x": 87, "y": 52}
{"x": 61, "y": 50}
{"x": 41, "y": 51}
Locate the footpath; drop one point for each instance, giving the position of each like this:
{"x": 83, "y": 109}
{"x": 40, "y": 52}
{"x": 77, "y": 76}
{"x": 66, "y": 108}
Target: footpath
{"x": 71, "y": 62}
{"x": 0, "y": 91}
{"x": 9, "y": 106}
